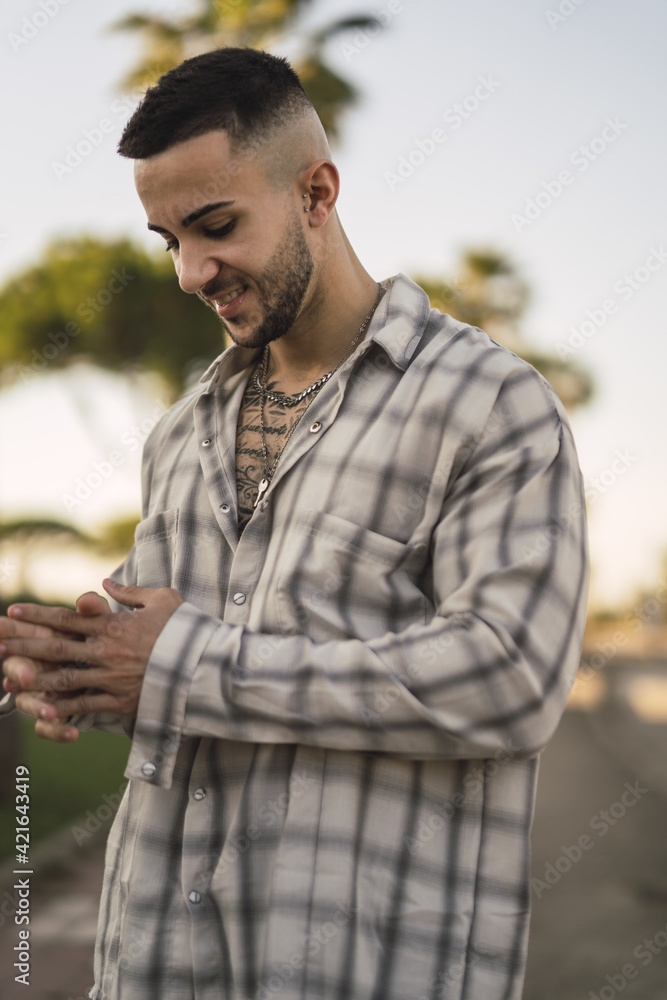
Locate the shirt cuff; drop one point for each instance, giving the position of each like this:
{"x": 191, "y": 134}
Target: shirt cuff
{"x": 7, "y": 704}
{"x": 162, "y": 703}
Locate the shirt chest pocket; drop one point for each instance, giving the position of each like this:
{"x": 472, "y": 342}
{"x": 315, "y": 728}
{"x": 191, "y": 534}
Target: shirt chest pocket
{"x": 339, "y": 580}
{"x": 155, "y": 543}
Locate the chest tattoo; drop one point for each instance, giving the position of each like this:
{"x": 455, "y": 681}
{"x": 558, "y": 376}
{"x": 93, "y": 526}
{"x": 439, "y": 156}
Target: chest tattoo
{"x": 278, "y": 422}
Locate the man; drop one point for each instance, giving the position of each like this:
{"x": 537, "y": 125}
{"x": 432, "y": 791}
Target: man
{"x": 359, "y": 590}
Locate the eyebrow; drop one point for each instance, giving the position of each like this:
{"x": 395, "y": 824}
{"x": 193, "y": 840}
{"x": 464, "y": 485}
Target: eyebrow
{"x": 197, "y": 214}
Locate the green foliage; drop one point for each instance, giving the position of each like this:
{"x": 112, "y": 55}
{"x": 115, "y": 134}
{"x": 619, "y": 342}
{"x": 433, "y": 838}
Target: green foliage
{"x": 111, "y": 303}
{"x": 117, "y": 537}
{"x": 24, "y": 528}
{"x": 489, "y": 293}
{"x": 259, "y": 24}
{"x": 65, "y": 781}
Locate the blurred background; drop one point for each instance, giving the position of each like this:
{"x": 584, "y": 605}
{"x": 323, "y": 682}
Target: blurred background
{"x": 511, "y": 159}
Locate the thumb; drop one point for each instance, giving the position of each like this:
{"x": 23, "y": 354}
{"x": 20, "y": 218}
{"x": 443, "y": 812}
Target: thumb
{"x": 91, "y": 603}
{"x": 131, "y": 597}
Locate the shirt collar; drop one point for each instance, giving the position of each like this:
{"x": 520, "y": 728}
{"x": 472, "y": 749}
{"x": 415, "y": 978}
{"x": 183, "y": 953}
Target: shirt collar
{"x": 400, "y": 319}
{"x": 397, "y": 326}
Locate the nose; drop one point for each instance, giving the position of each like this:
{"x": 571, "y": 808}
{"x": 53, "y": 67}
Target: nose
{"x": 195, "y": 268}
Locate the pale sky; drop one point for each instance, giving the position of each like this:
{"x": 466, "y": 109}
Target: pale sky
{"x": 484, "y": 107}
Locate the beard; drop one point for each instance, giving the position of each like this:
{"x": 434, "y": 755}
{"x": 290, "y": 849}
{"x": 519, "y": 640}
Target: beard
{"x": 281, "y": 287}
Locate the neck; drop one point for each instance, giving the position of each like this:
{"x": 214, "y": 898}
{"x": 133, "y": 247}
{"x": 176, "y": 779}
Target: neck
{"x": 329, "y": 322}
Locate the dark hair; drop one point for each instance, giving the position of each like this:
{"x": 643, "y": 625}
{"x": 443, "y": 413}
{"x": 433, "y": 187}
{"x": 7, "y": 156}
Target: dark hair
{"x": 246, "y": 92}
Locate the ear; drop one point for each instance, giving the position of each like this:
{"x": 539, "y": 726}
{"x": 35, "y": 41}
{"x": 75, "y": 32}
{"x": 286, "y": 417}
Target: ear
{"x": 321, "y": 184}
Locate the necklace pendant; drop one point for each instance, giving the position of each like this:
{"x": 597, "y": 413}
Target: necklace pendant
{"x": 261, "y": 490}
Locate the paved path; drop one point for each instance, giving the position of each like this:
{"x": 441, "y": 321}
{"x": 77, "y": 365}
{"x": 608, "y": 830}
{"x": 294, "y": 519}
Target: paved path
{"x": 63, "y": 917}
{"x": 591, "y": 910}
{"x": 603, "y": 785}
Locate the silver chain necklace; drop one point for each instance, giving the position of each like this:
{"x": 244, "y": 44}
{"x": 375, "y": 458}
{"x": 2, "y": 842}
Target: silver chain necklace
{"x": 288, "y": 401}
{"x": 281, "y": 398}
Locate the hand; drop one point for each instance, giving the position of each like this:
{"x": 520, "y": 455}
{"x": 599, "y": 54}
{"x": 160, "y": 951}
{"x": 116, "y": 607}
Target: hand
{"x": 87, "y": 604}
{"x": 116, "y": 648}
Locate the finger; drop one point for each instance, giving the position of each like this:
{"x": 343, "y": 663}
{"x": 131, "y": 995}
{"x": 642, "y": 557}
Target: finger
{"x": 16, "y": 667}
{"x": 131, "y": 597}
{"x": 54, "y": 650}
{"x": 66, "y": 678}
{"x": 61, "y": 619}
{"x": 85, "y": 703}
{"x": 37, "y": 704}
{"x": 9, "y": 627}
{"x": 91, "y": 603}
{"x": 59, "y": 732}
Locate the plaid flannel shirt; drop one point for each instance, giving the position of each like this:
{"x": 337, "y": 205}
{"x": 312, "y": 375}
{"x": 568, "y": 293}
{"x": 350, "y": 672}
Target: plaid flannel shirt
{"x": 334, "y": 761}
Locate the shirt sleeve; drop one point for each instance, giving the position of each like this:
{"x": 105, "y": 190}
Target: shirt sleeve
{"x": 491, "y": 670}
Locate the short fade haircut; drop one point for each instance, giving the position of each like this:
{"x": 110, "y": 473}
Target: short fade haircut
{"x": 248, "y": 93}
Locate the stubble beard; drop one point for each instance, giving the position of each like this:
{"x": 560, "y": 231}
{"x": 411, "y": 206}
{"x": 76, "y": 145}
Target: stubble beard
{"x": 281, "y": 287}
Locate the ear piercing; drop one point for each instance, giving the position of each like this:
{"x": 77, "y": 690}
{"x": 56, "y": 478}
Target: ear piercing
{"x": 305, "y": 207}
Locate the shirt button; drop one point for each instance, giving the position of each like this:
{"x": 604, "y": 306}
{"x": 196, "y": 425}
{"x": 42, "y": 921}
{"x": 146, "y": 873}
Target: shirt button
{"x": 206, "y": 442}
{"x": 148, "y": 769}
{"x": 264, "y": 505}
{"x": 200, "y": 794}
{"x": 194, "y": 897}
{"x": 314, "y": 428}
{"x": 239, "y": 598}
{"x": 224, "y": 507}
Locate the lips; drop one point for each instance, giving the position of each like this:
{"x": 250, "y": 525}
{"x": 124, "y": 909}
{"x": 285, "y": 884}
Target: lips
{"x": 231, "y": 295}
{"x": 232, "y": 301}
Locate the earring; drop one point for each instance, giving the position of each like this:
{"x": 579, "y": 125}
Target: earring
{"x": 305, "y": 207}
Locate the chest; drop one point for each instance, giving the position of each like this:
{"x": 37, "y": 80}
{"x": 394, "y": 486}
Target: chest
{"x": 261, "y": 435}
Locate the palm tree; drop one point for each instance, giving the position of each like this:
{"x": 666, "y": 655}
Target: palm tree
{"x": 489, "y": 293}
{"x": 257, "y": 24}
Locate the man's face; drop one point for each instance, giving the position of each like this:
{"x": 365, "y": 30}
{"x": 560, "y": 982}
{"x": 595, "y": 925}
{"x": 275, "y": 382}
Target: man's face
{"x": 236, "y": 242}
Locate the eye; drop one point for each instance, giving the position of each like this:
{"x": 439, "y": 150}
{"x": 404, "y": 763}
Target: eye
{"x": 171, "y": 245}
{"x": 222, "y": 231}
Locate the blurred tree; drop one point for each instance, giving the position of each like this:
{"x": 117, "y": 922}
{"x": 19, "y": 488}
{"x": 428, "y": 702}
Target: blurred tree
{"x": 260, "y": 24}
{"x": 111, "y": 303}
{"x": 489, "y": 293}
{"x": 27, "y": 538}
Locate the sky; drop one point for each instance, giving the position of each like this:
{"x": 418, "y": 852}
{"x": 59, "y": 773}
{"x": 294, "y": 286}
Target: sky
{"x": 533, "y": 127}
